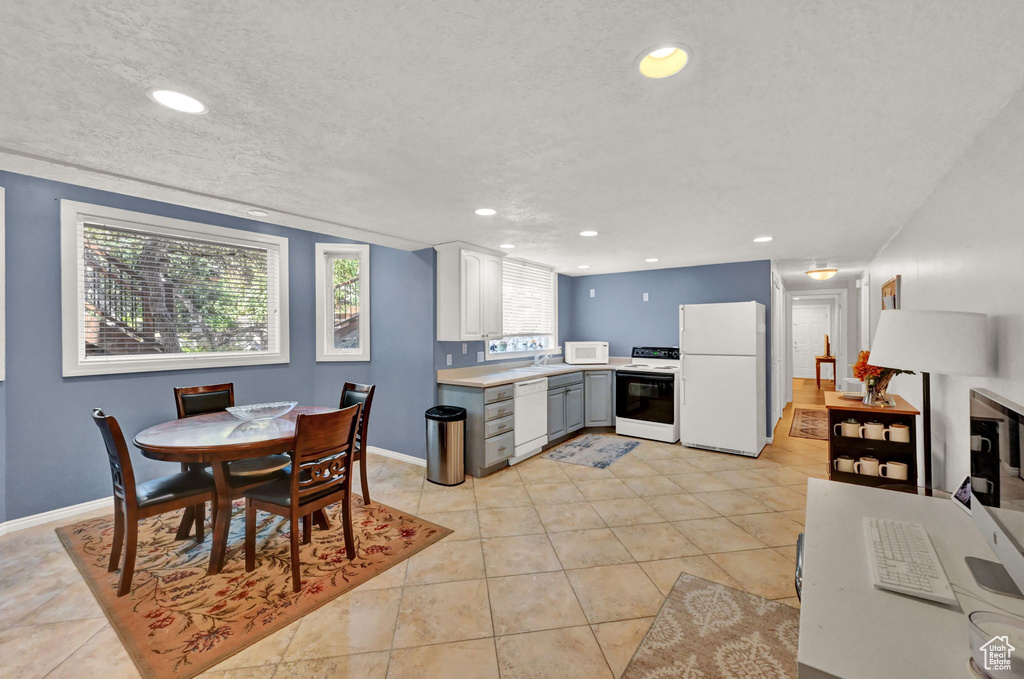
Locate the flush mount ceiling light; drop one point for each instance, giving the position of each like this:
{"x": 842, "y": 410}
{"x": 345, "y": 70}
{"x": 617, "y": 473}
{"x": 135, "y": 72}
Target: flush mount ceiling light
{"x": 822, "y": 274}
{"x": 258, "y": 213}
{"x": 762, "y": 239}
{"x": 583, "y": 266}
{"x": 177, "y": 101}
{"x": 506, "y": 246}
{"x": 588, "y": 234}
{"x": 663, "y": 60}
{"x": 486, "y": 211}
{"x": 651, "y": 260}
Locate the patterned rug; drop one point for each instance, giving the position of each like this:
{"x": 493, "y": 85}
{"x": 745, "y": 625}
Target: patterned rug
{"x": 809, "y": 424}
{"x": 177, "y": 622}
{"x": 592, "y": 450}
{"x": 712, "y": 631}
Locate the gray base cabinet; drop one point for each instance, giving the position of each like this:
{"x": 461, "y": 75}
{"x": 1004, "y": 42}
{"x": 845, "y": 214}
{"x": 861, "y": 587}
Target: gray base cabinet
{"x": 565, "y": 404}
{"x": 489, "y": 425}
{"x": 599, "y": 398}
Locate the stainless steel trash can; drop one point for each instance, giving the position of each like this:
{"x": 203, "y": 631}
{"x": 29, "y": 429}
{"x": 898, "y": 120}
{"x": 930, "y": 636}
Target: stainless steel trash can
{"x": 446, "y": 444}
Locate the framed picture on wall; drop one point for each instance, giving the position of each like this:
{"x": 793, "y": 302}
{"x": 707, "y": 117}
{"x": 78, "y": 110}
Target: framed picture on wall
{"x": 891, "y": 293}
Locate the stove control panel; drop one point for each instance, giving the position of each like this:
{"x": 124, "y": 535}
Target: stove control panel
{"x": 665, "y": 353}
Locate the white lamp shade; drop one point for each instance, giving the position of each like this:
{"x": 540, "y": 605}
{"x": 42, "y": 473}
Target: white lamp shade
{"x": 944, "y": 342}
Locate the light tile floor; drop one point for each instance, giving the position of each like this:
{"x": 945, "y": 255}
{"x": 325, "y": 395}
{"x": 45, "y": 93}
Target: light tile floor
{"x": 554, "y": 570}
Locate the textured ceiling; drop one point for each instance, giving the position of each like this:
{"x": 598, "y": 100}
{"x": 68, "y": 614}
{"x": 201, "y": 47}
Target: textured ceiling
{"x": 823, "y": 124}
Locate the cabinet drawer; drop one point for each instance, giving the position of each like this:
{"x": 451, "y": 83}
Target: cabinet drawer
{"x": 493, "y": 411}
{"x": 498, "y": 426}
{"x": 498, "y": 448}
{"x": 501, "y": 393}
{"x": 565, "y": 380}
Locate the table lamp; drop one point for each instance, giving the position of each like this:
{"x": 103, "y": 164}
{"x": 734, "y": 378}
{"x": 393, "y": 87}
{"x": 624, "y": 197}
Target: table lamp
{"x": 944, "y": 342}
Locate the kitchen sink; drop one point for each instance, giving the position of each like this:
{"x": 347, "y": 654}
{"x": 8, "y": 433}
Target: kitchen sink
{"x": 533, "y": 369}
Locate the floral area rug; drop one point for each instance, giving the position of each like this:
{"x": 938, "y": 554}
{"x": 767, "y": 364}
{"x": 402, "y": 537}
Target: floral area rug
{"x": 809, "y": 424}
{"x": 592, "y": 450}
{"x": 177, "y": 622}
{"x": 712, "y": 631}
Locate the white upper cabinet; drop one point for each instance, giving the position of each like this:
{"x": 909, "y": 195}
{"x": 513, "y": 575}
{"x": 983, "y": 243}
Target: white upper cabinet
{"x": 468, "y": 293}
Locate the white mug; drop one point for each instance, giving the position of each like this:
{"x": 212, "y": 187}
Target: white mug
{"x": 868, "y": 466}
{"x": 980, "y": 444}
{"x": 873, "y": 430}
{"x": 893, "y": 470}
{"x": 982, "y": 486}
{"x": 844, "y": 463}
{"x": 900, "y": 433}
{"x": 847, "y": 428}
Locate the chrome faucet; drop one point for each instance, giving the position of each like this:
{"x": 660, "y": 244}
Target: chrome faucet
{"x": 541, "y": 359}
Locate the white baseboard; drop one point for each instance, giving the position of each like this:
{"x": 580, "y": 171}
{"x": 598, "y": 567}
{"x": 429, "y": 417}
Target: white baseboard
{"x": 384, "y": 452}
{"x": 55, "y": 515}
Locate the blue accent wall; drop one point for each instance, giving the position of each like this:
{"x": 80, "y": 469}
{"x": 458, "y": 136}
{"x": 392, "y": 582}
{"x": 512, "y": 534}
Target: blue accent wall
{"x": 617, "y": 313}
{"x": 54, "y": 455}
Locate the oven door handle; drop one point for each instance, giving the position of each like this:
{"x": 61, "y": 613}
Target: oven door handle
{"x": 650, "y": 377}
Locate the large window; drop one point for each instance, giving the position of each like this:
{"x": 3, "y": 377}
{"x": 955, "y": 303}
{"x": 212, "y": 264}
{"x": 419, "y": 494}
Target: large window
{"x": 342, "y": 302}
{"x": 142, "y": 293}
{"x": 529, "y": 306}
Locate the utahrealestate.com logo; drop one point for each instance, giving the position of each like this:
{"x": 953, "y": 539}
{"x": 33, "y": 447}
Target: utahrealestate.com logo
{"x": 997, "y": 654}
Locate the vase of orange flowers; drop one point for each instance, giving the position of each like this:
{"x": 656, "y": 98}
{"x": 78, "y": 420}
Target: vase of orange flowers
{"x": 875, "y": 378}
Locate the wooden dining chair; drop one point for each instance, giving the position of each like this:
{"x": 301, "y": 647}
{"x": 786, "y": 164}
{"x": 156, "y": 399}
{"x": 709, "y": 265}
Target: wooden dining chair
{"x": 320, "y": 476}
{"x": 132, "y": 503}
{"x": 360, "y": 394}
{"x": 215, "y": 398}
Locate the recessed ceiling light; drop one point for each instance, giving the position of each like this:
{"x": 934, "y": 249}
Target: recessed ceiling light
{"x": 486, "y": 211}
{"x": 258, "y": 213}
{"x": 583, "y": 266}
{"x": 651, "y": 260}
{"x": 178, "y": 101}
{"x": 762, "y": 239}
{"x": 506, "y": 246}
{"x": 588, "y": 233}
{"x": 822, "y": 274}
{"x": 663, "y": 61}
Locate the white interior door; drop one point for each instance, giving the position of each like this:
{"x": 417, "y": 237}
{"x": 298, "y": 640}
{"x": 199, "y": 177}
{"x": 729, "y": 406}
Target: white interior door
{"x": 810, "y": 325}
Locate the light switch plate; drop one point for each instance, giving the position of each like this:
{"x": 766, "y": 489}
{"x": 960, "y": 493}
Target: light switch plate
{"x": 465, "y": 347}
{"x": 645, "y": 297}
{"x": 479, "y": 357}
{"x": 592, "y": 292}
{"x": 449, "y": 359}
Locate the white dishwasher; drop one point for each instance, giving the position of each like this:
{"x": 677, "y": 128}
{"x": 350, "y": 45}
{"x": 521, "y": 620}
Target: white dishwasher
{"x": 531, "y": 418}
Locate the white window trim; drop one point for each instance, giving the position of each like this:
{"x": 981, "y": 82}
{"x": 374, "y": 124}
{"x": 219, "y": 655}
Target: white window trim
{"x": 3, "y": 288}
{"x": 554, "y": 351}
{"x": 325, "y": 350}
{"x": 72, "y": 313}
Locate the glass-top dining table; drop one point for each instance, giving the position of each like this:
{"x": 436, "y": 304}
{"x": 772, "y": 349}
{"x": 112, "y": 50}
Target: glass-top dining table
{"x": 217, "y": 439}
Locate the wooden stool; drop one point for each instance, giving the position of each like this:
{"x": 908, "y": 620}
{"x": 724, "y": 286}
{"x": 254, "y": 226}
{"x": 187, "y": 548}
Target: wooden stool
{"x": 818, "y": 360}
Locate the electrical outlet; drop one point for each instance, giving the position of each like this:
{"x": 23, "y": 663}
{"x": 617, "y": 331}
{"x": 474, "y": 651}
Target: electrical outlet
{"x": 592, "y": 292}
{"x": 645, "y": 297}
{"x": 479, "y": 357}
{"x": 449, "y": 359}
{"x": 465, "y": 348}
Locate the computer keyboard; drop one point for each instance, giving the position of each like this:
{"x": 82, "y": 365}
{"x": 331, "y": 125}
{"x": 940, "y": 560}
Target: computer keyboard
{"x": 903, "y": 560}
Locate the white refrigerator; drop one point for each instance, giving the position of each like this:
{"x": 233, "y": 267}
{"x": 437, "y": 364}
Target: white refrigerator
{"x": 722, "y": 369}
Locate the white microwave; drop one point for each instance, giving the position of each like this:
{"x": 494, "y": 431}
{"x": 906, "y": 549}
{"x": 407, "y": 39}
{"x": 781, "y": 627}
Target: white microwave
{"x": 585, "y": 353}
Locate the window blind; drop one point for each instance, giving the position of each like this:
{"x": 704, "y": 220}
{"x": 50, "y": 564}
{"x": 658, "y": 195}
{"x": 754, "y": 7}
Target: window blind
{"x": 155, "y": 293}
{"x": 528, "y": 298}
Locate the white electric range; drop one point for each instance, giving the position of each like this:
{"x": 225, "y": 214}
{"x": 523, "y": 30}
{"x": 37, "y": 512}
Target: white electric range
{"x": 647, "y": 395}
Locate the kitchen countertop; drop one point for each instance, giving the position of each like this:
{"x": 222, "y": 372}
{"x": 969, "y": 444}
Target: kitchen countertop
{"x": 507, "y": 373}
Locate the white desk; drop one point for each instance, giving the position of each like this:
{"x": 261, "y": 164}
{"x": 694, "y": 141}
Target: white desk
{"x": 851, "y": 630}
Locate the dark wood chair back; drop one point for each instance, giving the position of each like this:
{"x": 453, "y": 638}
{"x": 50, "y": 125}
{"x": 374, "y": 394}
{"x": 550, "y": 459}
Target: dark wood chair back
{"x": 353, "y": 394}
{"x": 121, "y": 472}
{"x": 322, "y": 457}
{"x": 212, "y": 398}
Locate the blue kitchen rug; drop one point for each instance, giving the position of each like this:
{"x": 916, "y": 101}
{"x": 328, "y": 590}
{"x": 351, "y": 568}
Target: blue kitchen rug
{"x": 592, "y": 450}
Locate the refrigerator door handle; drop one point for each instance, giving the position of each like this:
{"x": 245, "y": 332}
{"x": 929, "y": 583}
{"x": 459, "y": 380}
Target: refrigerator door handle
{"x": 682, "y": 317}
{"x": 682, "y": 390}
